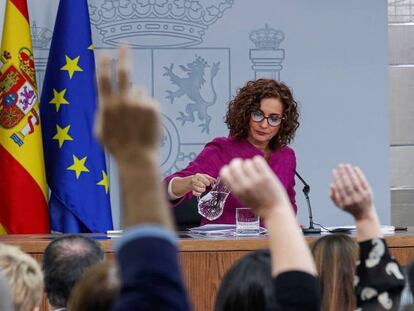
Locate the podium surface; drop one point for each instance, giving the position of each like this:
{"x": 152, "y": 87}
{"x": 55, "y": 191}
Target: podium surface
{"x": 206, "y": 260}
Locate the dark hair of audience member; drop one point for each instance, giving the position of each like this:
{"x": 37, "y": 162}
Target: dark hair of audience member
{"x": 335, "y": 257}
{"x": 65, "y": 260}
{"x": 248, "y": 285}
{"x": 96, "y": 290}
{"x": 410, "y": 273}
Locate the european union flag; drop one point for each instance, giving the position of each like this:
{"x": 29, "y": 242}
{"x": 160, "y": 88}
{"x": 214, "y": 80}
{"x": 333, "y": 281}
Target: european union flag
{"x": 75, "y": 162}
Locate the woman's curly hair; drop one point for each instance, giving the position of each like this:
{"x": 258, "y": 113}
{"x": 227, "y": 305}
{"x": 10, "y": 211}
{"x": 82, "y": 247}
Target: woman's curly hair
{"x": 248, "y": 100}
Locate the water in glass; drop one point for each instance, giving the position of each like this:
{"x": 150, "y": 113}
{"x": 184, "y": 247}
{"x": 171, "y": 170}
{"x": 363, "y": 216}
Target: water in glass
{"x": 247, "y": 222}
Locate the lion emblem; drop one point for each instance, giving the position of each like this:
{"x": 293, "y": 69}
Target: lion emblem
{"x": 191, "y": 86}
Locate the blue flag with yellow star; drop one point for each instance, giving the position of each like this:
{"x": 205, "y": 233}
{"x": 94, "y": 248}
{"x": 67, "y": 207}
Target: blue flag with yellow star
{"x": 75, "y": 162}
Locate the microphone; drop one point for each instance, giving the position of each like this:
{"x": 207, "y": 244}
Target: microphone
{"x": 306, "y": 190}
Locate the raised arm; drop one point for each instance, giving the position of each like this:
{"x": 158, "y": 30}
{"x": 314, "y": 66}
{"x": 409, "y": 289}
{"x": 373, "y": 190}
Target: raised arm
{"x": 293, "y": 267}
{"x": 351, "y": 192}
{"x": 379, "y": 279}
{"x": 254, "y": 183}
{"x": 128, "y": 125}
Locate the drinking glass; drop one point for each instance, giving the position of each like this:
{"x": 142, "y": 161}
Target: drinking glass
{"x": 247, "y": 222}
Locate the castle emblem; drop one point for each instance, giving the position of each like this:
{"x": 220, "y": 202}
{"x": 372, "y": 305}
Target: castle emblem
{"x": 267, "y": 57}
{"x": 190, "y": 86}
{"x": 27, "y": 67}
{"x": 155, "y": 23}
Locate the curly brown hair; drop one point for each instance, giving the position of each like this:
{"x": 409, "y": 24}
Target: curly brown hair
{"x": 248, "y": 100}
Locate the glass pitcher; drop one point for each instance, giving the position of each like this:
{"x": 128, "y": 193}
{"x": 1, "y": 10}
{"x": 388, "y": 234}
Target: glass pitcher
{"x": 211, "y": 205}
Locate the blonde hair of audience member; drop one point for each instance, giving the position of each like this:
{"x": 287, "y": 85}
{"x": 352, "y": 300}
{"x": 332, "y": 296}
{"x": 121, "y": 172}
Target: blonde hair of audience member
{"x": 24, "y": 277}
{"x": 335, "y": 257}
{"x": 96, "y": 290}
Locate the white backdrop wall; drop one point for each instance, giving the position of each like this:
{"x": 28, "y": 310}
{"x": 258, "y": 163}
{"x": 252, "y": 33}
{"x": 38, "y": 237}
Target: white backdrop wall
{"x": 333, "y": 54}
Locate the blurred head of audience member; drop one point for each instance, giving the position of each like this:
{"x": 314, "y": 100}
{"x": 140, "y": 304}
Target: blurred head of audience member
{"x": 335, "y": 257}
{"x": 24, "y": 278}
{"x": 65, "y": 260}
{"x": 248, "y": 285}
{"x": 96, "y": 290}
{"x": 410, "y": 273}
{"x": 5, "y": 296}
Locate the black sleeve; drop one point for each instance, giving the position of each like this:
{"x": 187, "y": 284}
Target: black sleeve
{"x": 379, "y": 279}
{"x": 150, "y": 277}
{"x": 296, "y": 290}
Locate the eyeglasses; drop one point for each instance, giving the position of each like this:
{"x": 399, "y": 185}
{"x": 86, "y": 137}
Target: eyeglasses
{"x": 273, "y": 120}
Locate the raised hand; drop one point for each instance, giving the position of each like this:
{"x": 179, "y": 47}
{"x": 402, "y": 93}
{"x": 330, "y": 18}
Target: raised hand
{"x": 351, "y": 191}
{"x": 255, "y": 184}
{"x": 127, "y": 121}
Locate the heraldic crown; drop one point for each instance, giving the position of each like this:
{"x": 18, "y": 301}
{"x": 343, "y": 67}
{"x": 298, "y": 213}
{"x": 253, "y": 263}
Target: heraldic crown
{"x": 41, "y": 37}
{"x": 267, "y": 38}
{"x": 155, "y": 23}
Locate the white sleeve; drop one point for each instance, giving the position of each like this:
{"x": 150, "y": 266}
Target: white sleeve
{"x": 171, "y": 194}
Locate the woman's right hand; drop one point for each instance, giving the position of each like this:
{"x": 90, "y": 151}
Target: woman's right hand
{"x": 198, "y": 183}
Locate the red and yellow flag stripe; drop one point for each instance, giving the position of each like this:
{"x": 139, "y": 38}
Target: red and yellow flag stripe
{"x": 23, "y": 190}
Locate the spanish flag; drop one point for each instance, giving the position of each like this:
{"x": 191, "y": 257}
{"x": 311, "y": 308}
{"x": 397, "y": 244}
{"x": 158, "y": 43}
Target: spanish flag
{"x": 23, "y": 191}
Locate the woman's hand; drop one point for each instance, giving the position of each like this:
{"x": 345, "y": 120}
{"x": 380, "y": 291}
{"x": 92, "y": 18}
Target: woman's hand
{"x": 198, "y": 183}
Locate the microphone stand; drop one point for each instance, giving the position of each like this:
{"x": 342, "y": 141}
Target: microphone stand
{"x": 306, "y": 190}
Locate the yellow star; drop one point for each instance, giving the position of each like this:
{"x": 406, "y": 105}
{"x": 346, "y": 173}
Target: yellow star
{"x": 59, "y": 99}
{"x": 2, "y": 230}
{"x": 91, "y": 47}
{"x": 78, "y": 166}
{"x": 62, "y": 134}
{"x": 104, "y": 182}
{"x": 71, "y": 66}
